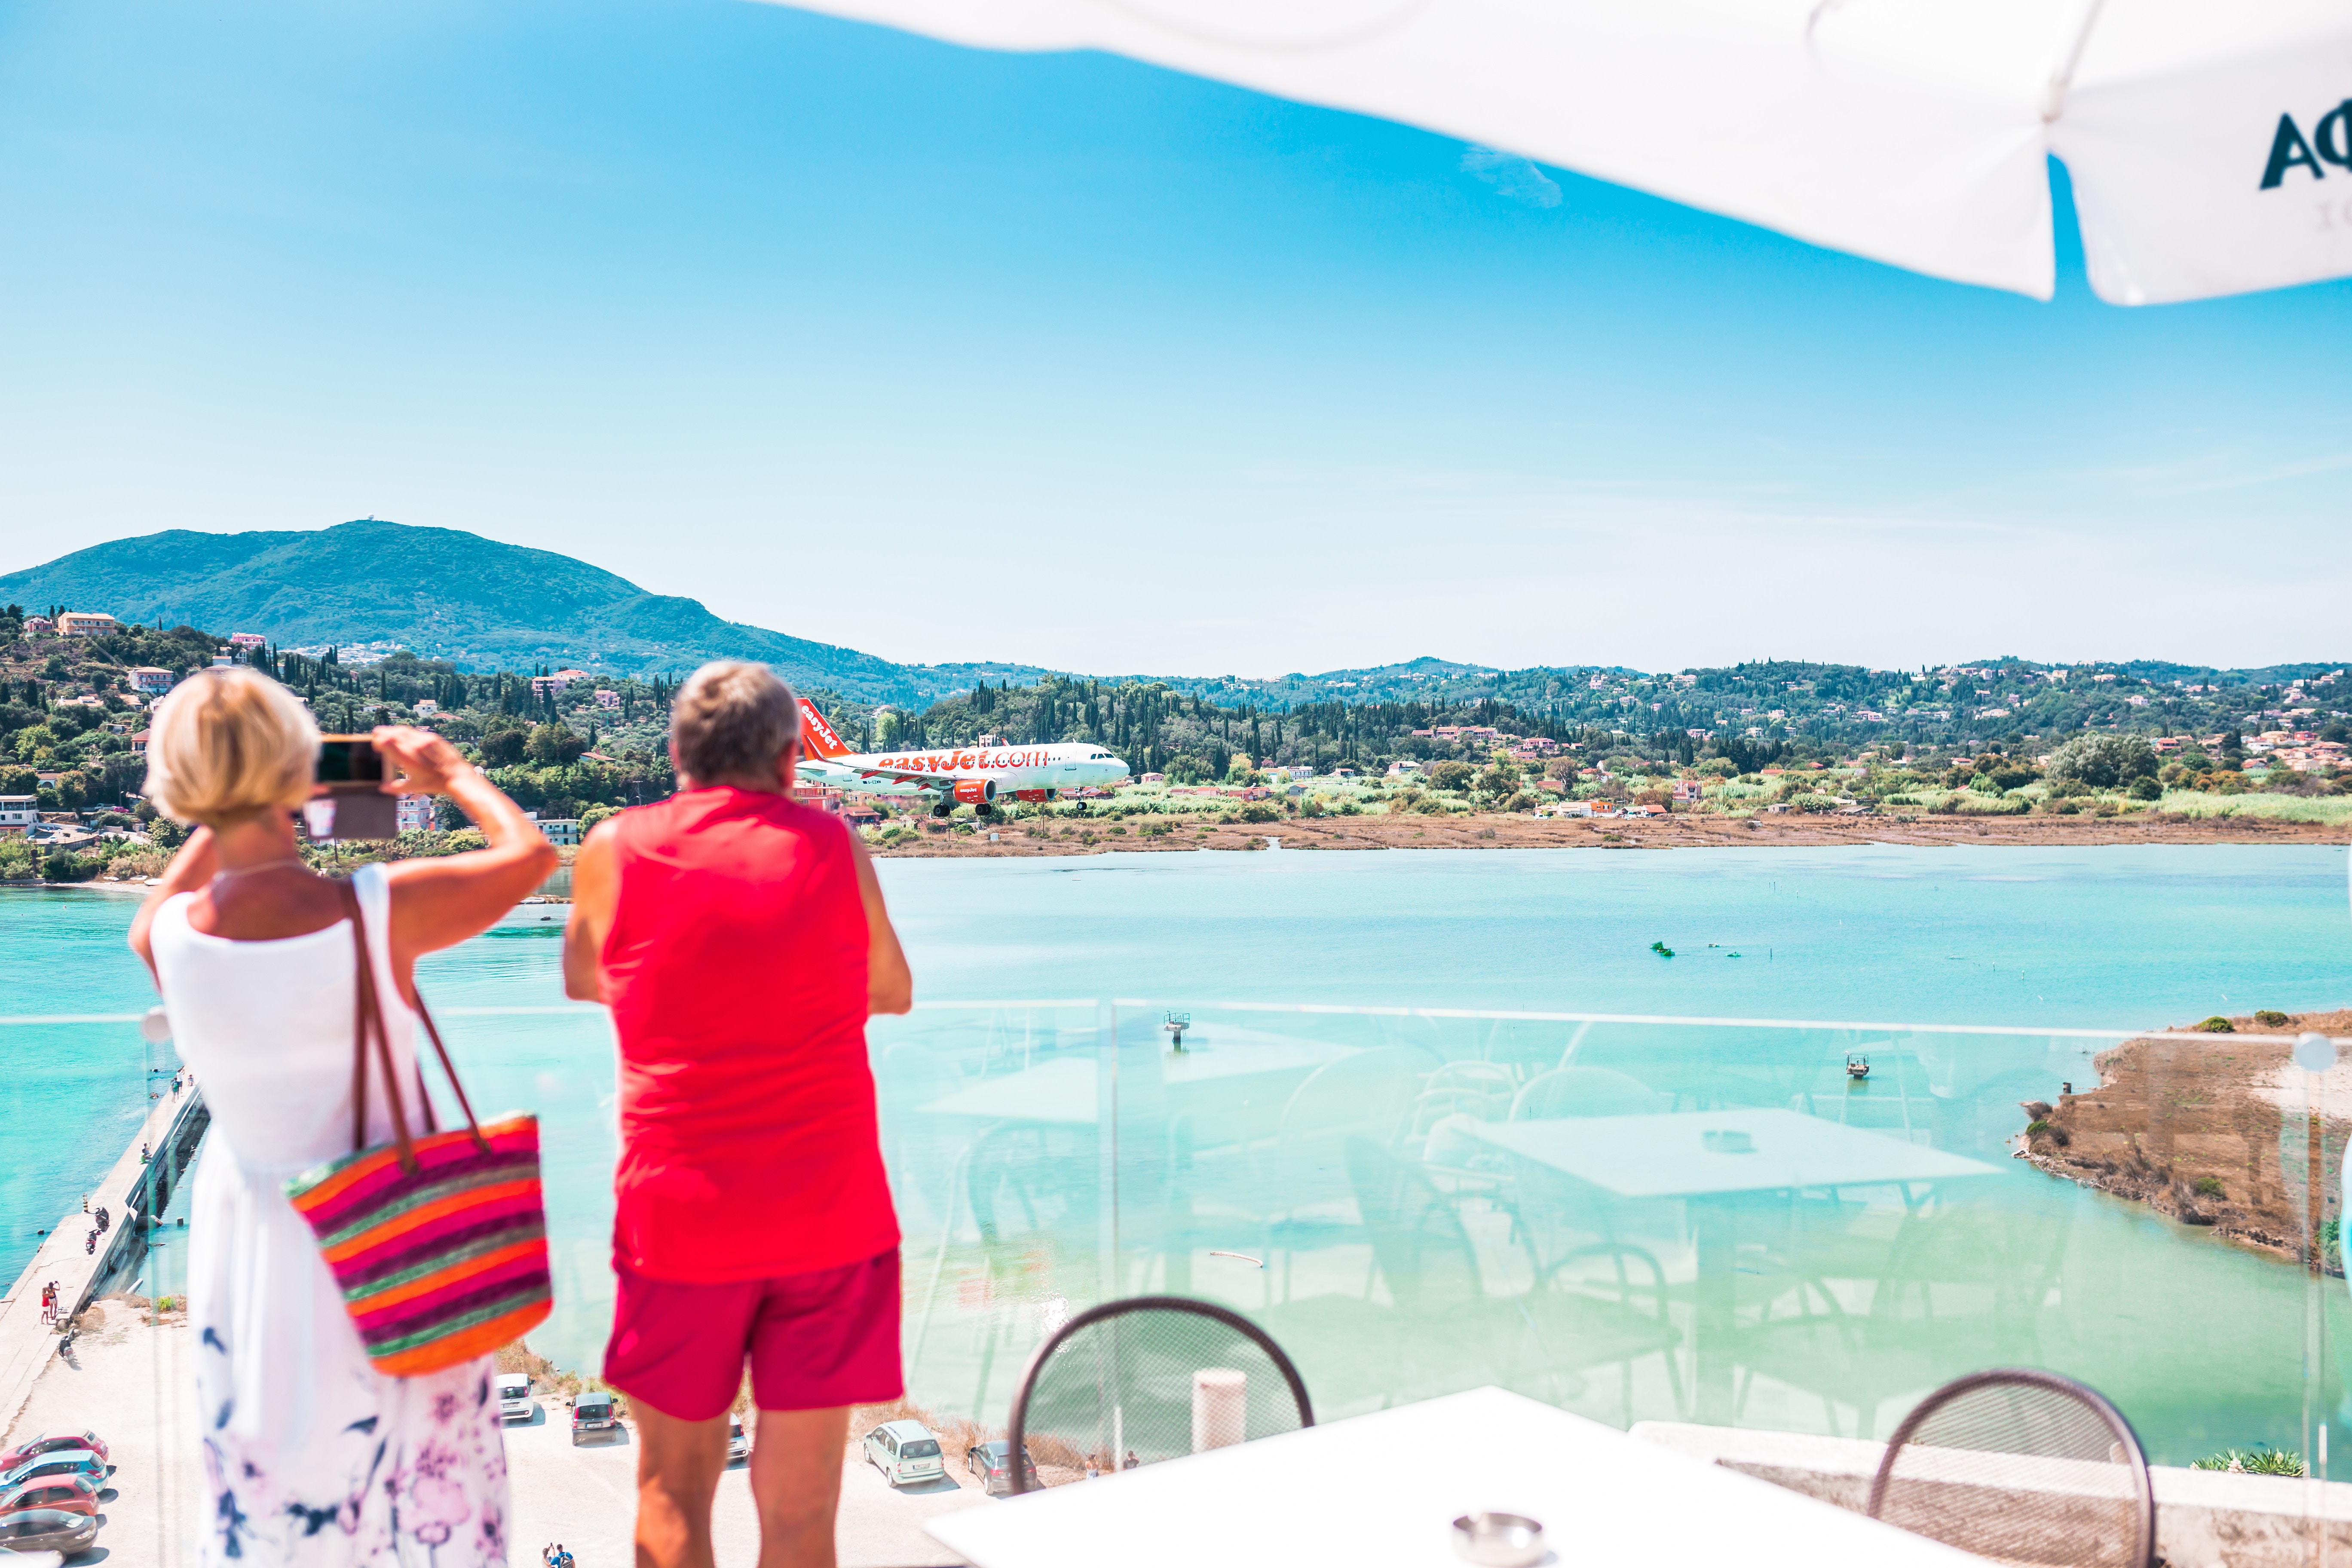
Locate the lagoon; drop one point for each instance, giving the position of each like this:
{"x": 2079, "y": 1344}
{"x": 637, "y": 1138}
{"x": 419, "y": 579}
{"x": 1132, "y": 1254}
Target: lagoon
{"x": 1012, "y": 1220}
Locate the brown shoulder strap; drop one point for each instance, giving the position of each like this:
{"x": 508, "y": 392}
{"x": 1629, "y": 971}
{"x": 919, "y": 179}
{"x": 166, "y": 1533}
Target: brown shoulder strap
{"x": 369, "y": 1019}
{"x": 449, "y": 1071}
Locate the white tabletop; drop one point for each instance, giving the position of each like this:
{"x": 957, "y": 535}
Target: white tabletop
{"x": 1670, "y": 1156}
{"x": 1064, "y": 1089}
{"x": 1383, "y": 1491}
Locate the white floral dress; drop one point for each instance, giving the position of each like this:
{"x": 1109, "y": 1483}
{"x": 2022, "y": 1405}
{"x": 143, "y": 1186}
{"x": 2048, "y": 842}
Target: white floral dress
{"x": 315, "y": 1459}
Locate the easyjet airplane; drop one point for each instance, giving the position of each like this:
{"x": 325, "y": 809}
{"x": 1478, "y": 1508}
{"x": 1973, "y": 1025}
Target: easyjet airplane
{"x": 971, "y": 776}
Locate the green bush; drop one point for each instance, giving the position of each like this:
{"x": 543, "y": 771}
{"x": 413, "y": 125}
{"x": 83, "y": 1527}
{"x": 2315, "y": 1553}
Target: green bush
{"x": 2211, "y": 1187}
{"x": 2271, "y": 1020}
{"x": 1260, "y": 811}
{"x": 16, "y": 860}
{"x": 2263, "y": 1461}
{"x": 2146, "y": 788}
{"x": 2215, "y": 1025}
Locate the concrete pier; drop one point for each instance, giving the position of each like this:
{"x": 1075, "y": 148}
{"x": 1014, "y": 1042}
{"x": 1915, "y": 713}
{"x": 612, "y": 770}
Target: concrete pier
{"x": 131, "y": 1193}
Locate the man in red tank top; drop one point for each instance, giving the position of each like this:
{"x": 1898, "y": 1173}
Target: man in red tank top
{"x": 741, "y": 941}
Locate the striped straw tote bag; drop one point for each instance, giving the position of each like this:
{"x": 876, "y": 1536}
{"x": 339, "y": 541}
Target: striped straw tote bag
{"x": 438, "y": 1242}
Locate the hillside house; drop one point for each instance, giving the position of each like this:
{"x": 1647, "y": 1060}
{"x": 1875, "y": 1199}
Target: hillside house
{"x": 139, "y": 744}
{"x": 247, "y": 639}
{"x": 150, "y": 681}
{"x": 38, "y": 626}
{"x": 18, "y": 813}
{"x": 607, "y": 697}
{"x": 86, "y": 623}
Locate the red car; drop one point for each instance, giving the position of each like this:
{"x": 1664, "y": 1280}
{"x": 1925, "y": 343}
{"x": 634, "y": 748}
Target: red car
{"x": 67, "y": 1494}
{"x": 43, "y": 1445}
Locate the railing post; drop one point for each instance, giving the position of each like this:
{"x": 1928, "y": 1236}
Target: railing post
{"x": 1107, "y": 1146}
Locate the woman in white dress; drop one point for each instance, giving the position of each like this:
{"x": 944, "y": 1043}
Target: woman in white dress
{"x": 314, "y": 1458}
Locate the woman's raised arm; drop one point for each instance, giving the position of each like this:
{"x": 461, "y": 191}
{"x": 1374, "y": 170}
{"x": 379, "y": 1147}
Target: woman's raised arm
{"x": 439, "y": 902}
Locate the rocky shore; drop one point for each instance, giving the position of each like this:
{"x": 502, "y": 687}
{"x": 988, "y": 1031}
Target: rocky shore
{"x": 1503, "y": 830}
{"x": 2211, "y": 1131}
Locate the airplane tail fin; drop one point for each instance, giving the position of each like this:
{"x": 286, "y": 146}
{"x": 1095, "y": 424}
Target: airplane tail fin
{"x": 818, "y": 737}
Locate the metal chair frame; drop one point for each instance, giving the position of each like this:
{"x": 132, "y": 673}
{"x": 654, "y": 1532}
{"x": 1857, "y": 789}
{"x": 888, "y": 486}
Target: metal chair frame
{"x": 1017, "y": 1433}
{"x": 2144, "y": 1498}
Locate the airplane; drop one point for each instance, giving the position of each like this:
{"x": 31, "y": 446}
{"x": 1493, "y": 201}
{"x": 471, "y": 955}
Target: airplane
{"x": 972, "y": 775}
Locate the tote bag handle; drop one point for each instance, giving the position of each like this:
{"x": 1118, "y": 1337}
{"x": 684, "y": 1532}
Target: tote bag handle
{"x": 368, "y": 1019}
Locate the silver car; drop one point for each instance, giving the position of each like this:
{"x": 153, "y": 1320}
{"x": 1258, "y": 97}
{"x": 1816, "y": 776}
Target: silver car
{"x": 905, "y": 1451}
{"x": 514, "y": 1397}
{"x": 48, "y": 1530}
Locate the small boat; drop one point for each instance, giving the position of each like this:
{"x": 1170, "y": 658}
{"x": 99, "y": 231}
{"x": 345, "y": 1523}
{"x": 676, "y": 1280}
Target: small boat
{"x": 1857, "y": 1064}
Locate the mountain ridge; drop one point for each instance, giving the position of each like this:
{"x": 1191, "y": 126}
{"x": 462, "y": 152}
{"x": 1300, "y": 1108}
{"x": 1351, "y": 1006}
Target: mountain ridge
{"x": 448, "y": 594}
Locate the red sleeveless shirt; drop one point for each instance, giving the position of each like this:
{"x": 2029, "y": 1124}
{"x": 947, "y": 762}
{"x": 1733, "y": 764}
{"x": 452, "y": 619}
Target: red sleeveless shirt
{"x": 736, "y": 973}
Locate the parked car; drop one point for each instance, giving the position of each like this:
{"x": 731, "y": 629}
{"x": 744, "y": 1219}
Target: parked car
{"x": 593, "y": 1413}
{"x": 514, "y": 1397}
{"x": 991, "y": 1465}
{"x": 44, "y": 1445}
{"x": 57, "y": 1462}
{"x": 904, "y": 1451}
{"x": 48, "y": 1530}
{"x": 67, "y": 1494}
{"x": 738, "y": 1442}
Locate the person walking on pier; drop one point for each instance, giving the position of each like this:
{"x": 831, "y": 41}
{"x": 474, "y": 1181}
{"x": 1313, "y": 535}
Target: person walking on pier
{"x": 740, "y": 939}
{"x": 315, "y": 1459}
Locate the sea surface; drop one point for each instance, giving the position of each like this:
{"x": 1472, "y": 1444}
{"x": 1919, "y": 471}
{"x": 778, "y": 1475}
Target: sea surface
{"x": 1005, "y": 1228}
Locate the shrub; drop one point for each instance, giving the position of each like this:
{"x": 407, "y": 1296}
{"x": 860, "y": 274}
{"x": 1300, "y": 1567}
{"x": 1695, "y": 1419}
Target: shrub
{"x": 2269, "y": 1019}
{"x": 2210, "y": 1188}
{"x": 2146, "y": 788}
{"x": 2215, "y": 1025}
{"x": 16, "y": 860}
{"x": 2104, "y": 760}
{"x": 2263, "y": 1461}
{"x": 1449, "y": 775}
{"x": 1259, "y": 811}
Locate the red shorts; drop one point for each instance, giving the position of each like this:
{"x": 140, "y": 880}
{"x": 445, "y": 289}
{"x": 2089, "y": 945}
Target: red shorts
{"x": 815, "y": 1341}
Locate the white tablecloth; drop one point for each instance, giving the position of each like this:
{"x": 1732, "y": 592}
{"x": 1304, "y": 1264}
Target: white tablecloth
{"x": 1383, "y": 1491}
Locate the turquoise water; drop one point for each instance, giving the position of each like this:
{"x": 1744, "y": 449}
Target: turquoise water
{"x": 1838, "y": 1306}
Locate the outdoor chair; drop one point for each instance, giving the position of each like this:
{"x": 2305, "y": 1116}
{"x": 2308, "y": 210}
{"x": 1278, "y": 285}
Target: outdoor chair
{"x": 1152, "y": 1377}
{"x": 2024, "y": 1466}
{"x": 1584, "y": 1091}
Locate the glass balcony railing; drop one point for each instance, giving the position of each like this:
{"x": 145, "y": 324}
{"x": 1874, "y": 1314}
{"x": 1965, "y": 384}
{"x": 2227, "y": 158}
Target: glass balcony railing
{"x": 1800, "y": 1227}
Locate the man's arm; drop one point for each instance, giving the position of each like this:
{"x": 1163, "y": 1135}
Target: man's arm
{"x": 595, "y": 898}
{"x": 889, "y": 983}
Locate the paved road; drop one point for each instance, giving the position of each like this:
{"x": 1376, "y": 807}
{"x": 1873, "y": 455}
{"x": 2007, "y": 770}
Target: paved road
{"x": 130, "y": 1383}
{"x": 586, "y": 1498}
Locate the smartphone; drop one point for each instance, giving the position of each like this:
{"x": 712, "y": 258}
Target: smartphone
{"x": 347, "y": 759}
{"x": 354, "y": 805}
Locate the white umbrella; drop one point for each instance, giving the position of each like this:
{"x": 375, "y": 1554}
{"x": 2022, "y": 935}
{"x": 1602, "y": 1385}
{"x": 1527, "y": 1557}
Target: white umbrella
{"x": 2208, "y": 142}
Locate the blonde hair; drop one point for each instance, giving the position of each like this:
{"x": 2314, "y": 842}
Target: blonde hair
{"x": 732, "y": 720}
{"x": 227, "y": 744}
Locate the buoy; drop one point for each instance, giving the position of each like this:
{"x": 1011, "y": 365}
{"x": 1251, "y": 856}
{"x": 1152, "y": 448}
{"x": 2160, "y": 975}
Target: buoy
{"x": 1662, "y": 949}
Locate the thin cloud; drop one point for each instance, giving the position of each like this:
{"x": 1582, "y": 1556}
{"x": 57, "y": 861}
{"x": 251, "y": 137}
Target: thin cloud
{"x": 1512, "y": 177}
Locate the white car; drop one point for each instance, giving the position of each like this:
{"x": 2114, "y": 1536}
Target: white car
{"x": 738, "y": 1442}
{"x": 514, "y": 1397}
{"x": 905, "y": 1451}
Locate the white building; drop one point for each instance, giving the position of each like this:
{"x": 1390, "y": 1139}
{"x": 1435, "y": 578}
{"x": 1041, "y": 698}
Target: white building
{"x": 18, "y": 813}
{"x": 607, "y": 697}
{"x": 427, "y": 707}
{"x": 561, "y": 829}
{"x": 247, "y": 639}
{"x": 151, "y": 681}
{"x": 413, "y": 813}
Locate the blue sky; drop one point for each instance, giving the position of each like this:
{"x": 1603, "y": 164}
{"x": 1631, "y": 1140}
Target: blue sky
{"x": 946, "y": 354}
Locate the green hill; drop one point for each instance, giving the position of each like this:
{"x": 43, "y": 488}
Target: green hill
{"x": 446, "y": 594}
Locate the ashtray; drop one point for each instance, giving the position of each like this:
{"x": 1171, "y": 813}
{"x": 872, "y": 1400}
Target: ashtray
{"x": 1727, "y": 1141}
{"x": 1498, "y": 1540}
